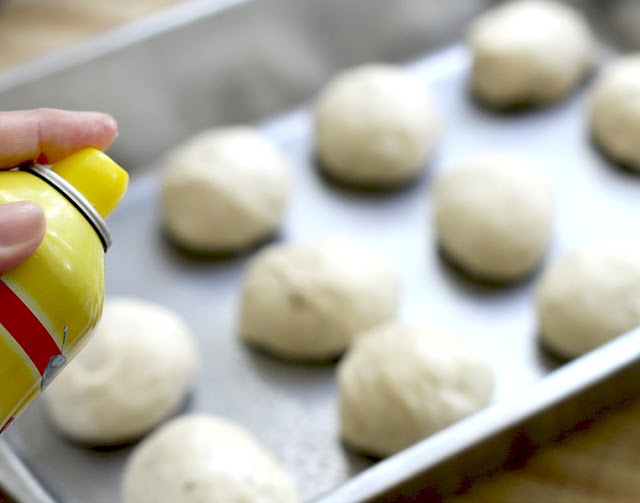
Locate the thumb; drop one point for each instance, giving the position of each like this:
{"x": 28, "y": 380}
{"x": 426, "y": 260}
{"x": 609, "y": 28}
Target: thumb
{"x": 22, "y": 227}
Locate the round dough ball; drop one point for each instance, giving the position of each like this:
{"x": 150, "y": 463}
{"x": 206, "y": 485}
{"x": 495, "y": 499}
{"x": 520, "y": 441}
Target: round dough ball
{"x": 494, "y": 216}
{"x": 224, "y": 190}
{"x": 589, "y": 296}
{"x": 529, "y": 52}
{"x": 199, "y": 458}
{"x": 614, "y": 112}
{"x": 375, "y": 125}
{"x": 399, "y": 383}
{"x": 308, "y": 301}
{"x": 135, "y": 371}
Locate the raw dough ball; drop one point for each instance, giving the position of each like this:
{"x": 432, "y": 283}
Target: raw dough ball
{"x": 135, "y": 371}
{"x": 199, "y": 458}
{"x": 494, "y": 216}
{"x": 529, "y": 52}
{"x": 589, "y": 296}
{"x": 308, "y": 301}
{"x": 375, "y": 126}
{"x": 224, "y": 190}
{"x": 399, "y": 383}
{"x": 614, "y": 113}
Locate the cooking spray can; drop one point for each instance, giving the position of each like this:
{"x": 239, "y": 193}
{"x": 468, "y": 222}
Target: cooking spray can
{"x": 50, "y": 303}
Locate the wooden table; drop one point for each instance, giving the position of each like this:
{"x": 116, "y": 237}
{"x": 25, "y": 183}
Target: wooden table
{"x": 30, "y": 28}
{"x": 600, "y": 465}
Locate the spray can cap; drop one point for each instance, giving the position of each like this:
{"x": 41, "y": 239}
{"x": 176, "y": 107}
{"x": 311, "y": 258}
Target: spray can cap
{"x": 96, "y": 176}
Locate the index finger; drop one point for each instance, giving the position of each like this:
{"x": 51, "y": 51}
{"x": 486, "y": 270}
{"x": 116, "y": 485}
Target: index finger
{"x": 47, "y": 135}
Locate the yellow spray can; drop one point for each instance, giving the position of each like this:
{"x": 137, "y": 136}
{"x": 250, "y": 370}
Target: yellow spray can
{"x": 50, "y": 303}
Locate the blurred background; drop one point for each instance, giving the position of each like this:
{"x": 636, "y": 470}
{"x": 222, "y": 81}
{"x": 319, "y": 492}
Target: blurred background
{"x": 32, "y": 28}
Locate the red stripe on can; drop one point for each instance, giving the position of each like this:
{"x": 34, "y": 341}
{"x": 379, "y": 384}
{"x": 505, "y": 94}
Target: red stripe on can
{"x": 26, "y": 328}
{"x": 7, "y": 424}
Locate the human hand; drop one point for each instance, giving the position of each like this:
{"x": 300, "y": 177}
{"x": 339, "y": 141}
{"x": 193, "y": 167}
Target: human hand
{"x": 46, "y": 136}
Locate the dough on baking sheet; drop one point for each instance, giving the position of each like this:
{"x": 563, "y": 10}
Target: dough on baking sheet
{"x": 529, "y": 52}
{"x": 614, "y": 111}
{"x": 136, "y": 370}
{"x": 589, "y": 296}
{"x": 308, "y": 301}
{"x": 399, "y": 383}
{"x": 494, "y": 215}
{"x": 200, "y": 458}
{"x": 224, "y": 190}
{"x": 375, "y": 125}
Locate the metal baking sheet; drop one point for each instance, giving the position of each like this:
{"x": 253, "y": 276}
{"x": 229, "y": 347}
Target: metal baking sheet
{"x": 205, "y": 64}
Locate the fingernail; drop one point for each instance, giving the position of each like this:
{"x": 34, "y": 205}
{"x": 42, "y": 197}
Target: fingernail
{"x": 108, "y": 120}
{"x": 22, "y": 225}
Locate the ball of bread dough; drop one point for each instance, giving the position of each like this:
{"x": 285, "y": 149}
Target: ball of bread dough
{"x": 136, "y": 370}
{"x": 614, "y": 111}
{"x": 589, "y": 296}
{"x": 199, "y": 458}
{"x": 224, "y": 190}
{"x": 375, "y": 125}
{"x": 494, "y": 216}
{"x": 529, "y": 52}
{"x": 308, "y": 301}
{"x": 399, "y": 383}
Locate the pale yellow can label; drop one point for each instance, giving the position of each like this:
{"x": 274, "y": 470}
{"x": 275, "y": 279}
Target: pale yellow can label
{"x": 30, "y": 355}
{"x": 50, "y": 303}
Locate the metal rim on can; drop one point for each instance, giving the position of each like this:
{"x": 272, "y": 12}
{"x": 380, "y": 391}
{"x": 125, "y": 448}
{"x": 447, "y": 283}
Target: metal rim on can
{"x": 75, "y": 198}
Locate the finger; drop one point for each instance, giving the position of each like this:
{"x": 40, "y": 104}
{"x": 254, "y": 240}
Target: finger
{"x": 22, "y": 227}
{"x": 47, "y": 135}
